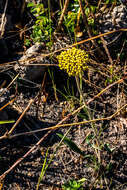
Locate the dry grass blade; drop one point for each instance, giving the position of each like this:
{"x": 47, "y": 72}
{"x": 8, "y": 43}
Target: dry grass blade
{"x": 1, "y": 185}
{"x": 9, "y": 84}
{"x": 17, "y": 122}
{"x": 11, "y": 101}
{"x": 3, "y": 22}
{"x": 107, "y": 51}
{"x": 63, "y": 13}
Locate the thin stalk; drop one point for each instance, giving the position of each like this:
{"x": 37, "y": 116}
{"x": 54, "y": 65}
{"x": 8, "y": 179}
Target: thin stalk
{"x": 79, "y": 86}
{"x": 42, "y": 171}
{"x": 63, "y": 13}
{"x": 50, "y": 20}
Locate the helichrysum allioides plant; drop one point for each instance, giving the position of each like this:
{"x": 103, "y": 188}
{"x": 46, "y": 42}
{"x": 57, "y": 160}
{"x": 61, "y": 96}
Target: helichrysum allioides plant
{"x": 73, "y": 61}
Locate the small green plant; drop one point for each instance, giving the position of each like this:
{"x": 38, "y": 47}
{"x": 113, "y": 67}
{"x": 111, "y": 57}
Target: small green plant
{"x": 71, "y": 19}
{"x": 89, "y": 11}
{"x": 27, "y": 42}
{"x": 73, "y": 61}
{"x": 74, "y": 185}
{"x": 42, "y": 27}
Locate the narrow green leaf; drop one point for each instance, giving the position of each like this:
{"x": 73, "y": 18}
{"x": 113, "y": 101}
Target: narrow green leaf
{"x": 5, "y": 122}
{"x": 71, "y": 145}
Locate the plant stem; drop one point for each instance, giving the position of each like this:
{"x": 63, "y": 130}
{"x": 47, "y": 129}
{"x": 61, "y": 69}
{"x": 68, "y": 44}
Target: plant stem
{"x": 63, "y": 13}
{"x": 79, "y": 86}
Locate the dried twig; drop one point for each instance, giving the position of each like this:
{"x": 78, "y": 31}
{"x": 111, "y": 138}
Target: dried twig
{"x": 19, "y": 119}
{"x": 107, "y": 51}
{"x": 11, "y": 101}
{"x": 85, "y": 19}
{"x": 3, "y": 22}
{"x": 9, "y": 84}
{"x": 62, "y": 15}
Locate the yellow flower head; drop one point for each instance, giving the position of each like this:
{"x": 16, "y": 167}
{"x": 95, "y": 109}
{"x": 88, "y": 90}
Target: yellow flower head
{"x": 74, "y": 61}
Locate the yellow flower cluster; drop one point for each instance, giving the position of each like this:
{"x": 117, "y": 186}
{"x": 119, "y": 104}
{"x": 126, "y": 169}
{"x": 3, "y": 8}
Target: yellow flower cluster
{"x": 74, "y": 61}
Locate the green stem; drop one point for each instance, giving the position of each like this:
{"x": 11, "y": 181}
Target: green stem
{"x": 79, "y": 87}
